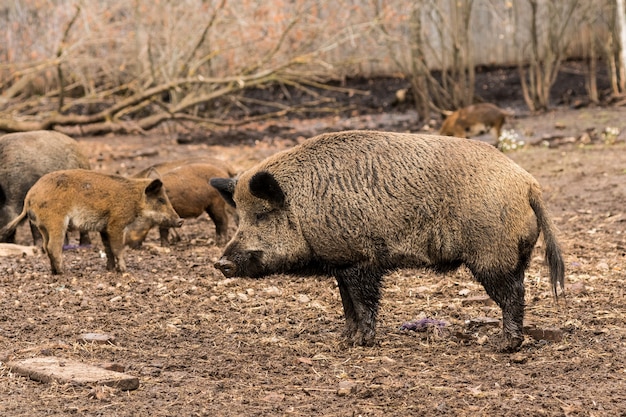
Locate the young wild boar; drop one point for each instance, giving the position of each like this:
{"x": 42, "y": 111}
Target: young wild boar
{"x": 24, "y": 158}
{"x": 356, "y": 205}
{"x": 475, "y": 120}
{"x": 188, "y": 189}
{"x": 91, "y": 201}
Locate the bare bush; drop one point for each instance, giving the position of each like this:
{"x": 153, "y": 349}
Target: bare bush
{"x": 149, "y": 62}
{"x": 115, "y": 65}
{"x": 550, "y": 27}
{"x": 620, "y": 17}
{"x": 438, "y": 38}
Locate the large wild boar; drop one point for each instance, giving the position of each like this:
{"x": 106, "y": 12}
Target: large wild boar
{"x": 90, "y": 201}
{"x": 24, "y": 158}
{"x": 187, "y": 187}
{"x": 356, "y": 205}
{"x": 474, "y": 120}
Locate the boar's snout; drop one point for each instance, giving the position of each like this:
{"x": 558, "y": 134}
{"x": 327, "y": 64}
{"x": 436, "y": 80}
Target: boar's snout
{"x": 228, "y": 268}
{"x": 172, "y": 222}
{"x": 241, "y": 263}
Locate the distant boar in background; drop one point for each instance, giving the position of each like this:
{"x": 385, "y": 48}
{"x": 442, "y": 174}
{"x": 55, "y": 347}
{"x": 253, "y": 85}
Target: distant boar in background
{"x": 356, "y": 205}
{"x": 91, "y": 201}
{"x": 475, "y": 120}
{"x": 188, "y": 189}
{"x": 26, "y": 157}
{"x": 166, "y": 166}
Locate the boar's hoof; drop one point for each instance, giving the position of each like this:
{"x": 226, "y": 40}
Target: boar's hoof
{"x": 354, "y": 336}
{"x": 511, "y": 344}
{"x": 227, "y": 267}
{"x": 362, "y": 339}
{"x": 349, "y": 330}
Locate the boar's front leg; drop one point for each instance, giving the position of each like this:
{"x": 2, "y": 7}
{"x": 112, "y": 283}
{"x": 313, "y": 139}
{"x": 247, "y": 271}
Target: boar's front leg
{"x": 360, "y": 296}
{"x": 113, "y": 242}
{"x": 107, "y": 250}
{"x": 217, "y": 213}
{"x": 348, "y": 310}
{"x": 164, "y": 236}
{"x": 84, "y": 239}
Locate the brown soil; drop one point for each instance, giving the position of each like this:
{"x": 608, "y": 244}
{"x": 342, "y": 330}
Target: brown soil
{"x": 203, "y": 345}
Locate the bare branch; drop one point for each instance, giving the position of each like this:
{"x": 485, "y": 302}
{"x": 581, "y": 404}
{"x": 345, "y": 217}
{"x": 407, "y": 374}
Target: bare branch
{"x": 185, "y": 71}
{"x": 60, "y": 51}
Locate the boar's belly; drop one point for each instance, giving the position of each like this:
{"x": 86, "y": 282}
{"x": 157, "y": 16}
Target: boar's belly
{"x": 87, "y": 220}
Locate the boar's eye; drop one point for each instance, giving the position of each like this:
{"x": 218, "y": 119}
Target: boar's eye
{"x": 161, "y": 200}
{"x": 261, "y": 216}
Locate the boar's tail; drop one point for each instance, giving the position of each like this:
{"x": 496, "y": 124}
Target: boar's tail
{"x": 10, "y": 228}
{"x": 554, "y": 258}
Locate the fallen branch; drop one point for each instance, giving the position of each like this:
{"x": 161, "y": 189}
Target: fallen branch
{"x": 148, "y": 107}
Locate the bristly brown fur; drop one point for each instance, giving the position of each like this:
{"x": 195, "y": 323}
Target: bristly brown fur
{"x": 24, "y": 158}
{"x": 358, "y": 204}
{"x": 90, "y": 201}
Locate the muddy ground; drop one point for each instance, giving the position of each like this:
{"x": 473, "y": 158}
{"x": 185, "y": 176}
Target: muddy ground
{"x": 203, "y": 345}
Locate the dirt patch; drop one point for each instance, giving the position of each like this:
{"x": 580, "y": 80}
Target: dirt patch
{"x": 203, "y": 345}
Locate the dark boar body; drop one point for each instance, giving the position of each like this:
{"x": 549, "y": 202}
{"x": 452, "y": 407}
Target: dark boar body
{"x": 90, "y": 201}
{"x": 24, "y": 158}
{"x": 356, "y": 205}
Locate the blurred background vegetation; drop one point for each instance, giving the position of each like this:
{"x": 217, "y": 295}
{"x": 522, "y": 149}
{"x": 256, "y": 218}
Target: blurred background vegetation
{"x": 124, "y": 65}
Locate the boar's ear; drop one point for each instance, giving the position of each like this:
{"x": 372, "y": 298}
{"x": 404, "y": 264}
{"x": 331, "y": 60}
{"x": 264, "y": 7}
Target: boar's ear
{"x": 264, "y": 185}
{"x": 154, "y": 187}
{"x": 153, "y": 173}
{"x": 226, "y": 187}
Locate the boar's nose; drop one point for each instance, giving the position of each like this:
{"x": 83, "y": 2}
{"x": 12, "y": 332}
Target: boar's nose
{"x": 227, "y": 267}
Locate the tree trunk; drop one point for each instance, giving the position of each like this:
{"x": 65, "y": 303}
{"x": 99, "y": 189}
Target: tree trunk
{"x": 592, "y": 83}
{"x": 419, "y": 68}
{"x": 620, "y": 15}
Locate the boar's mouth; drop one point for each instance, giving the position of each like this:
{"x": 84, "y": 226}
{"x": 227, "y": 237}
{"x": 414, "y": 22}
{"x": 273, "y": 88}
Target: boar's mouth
{"x": 241, "y": 264}
{"x": 177, "y": 222}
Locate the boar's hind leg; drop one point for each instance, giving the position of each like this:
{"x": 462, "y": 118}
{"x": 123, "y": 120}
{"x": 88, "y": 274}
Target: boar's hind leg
{"x": 507, "y": 290}
{"x": 53, "y": 245}
{"x": 360, "y": 296}
{"x": 37, "y": 238}
{"x": 10, "y": 237}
